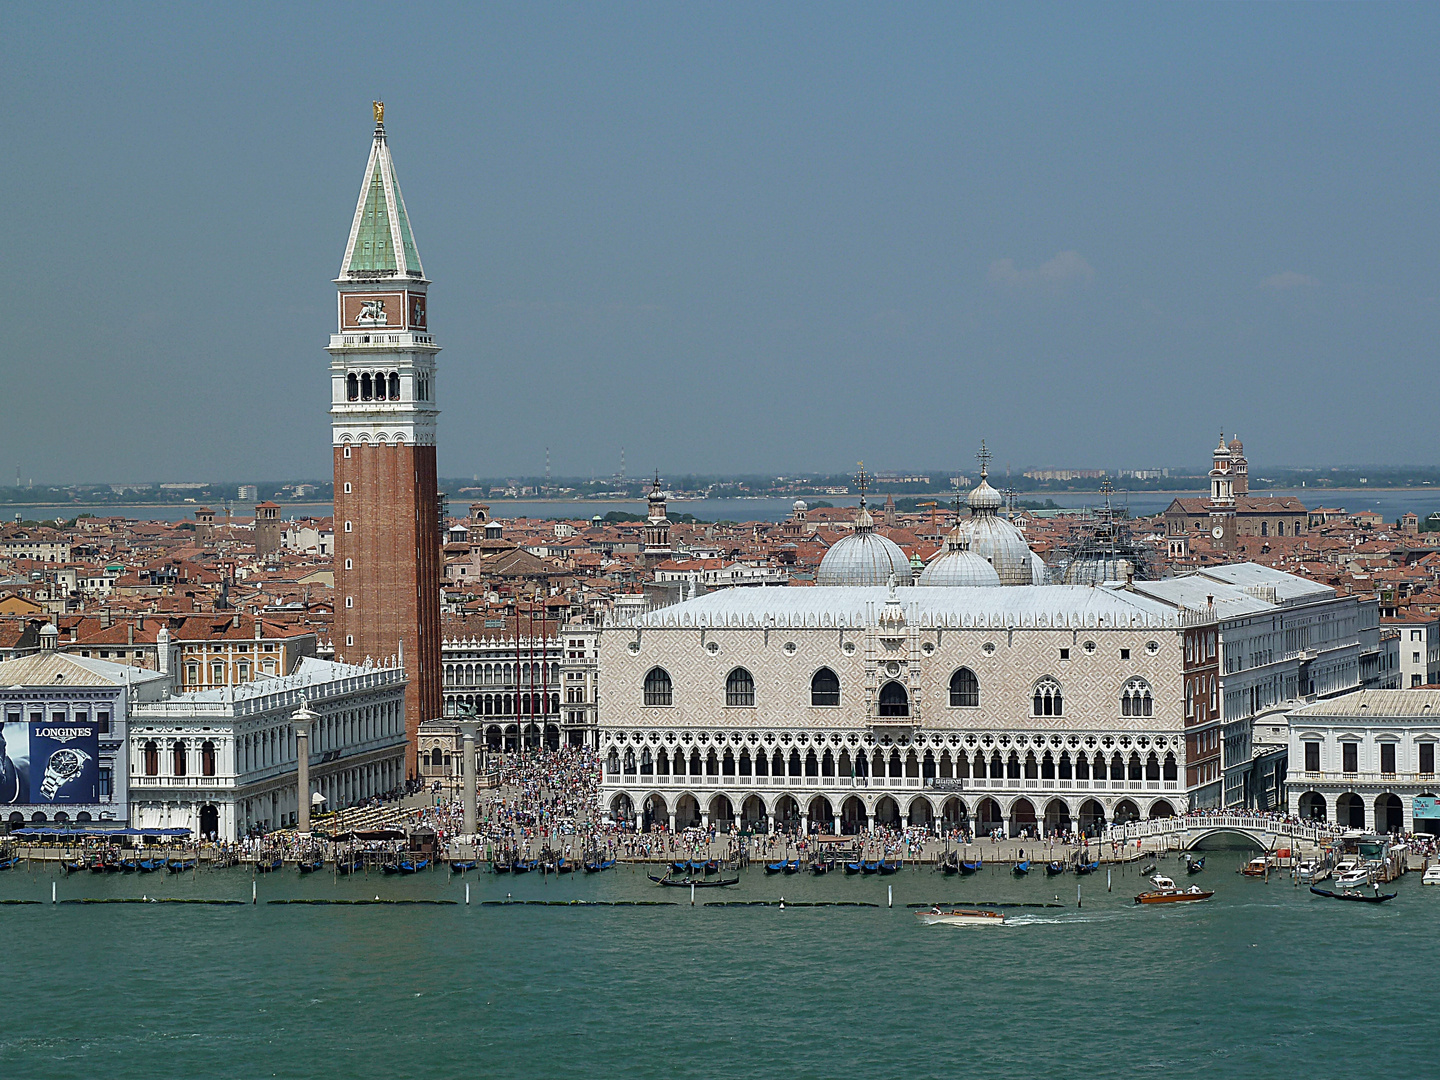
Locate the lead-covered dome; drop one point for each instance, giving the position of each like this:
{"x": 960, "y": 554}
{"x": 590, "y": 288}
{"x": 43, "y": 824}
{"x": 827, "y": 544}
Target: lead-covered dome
{"x": 994, "y": 539}
{"x": 864, "y": 558}
{"x": 957, "y": 566}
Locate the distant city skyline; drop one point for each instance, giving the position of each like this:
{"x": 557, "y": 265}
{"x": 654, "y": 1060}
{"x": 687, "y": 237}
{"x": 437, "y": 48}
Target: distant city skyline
{"x": 738, "y": 240}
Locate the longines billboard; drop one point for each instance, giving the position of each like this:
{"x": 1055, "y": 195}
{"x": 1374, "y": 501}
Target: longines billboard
{"x": 49, "y": 762}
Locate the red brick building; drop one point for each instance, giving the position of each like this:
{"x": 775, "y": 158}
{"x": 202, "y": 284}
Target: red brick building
{"x": 383, "y": 413}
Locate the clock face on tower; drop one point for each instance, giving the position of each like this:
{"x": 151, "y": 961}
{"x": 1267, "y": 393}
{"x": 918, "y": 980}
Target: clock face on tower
{"x": 1218, "y": 531}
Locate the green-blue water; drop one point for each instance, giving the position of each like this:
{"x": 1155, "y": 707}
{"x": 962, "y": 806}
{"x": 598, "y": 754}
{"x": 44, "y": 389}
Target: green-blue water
{"x": 1264, "y": 980}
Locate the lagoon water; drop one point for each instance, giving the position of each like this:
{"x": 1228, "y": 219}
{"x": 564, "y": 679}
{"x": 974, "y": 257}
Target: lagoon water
{"x": 1265, "y": 980}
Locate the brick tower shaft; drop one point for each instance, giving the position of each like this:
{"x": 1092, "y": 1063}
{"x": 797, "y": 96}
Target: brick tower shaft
{"x": 383, "y": 413}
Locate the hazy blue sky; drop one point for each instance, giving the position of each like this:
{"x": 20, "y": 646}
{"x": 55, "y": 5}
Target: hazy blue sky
{"x": 729, "y": 237}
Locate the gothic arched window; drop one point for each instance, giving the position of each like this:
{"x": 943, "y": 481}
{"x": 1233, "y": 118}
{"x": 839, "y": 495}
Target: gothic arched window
{"x": 894, "y": 701}
{"x": 825, "y": 688}
{"x": 1135, "y": 699}
{"x": 964, "y": 689}
{"x": 1048, "y": 699}
{"x": 658, "y": 688}
{"x": 740, "y": 688}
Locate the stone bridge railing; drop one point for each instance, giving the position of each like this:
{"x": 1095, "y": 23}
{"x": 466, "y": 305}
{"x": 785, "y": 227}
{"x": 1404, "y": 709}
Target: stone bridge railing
{"x": 1257, "y": 826}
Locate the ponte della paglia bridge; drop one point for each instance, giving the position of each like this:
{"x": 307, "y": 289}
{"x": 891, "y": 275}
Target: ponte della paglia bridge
{"x": 1188, "y": 831}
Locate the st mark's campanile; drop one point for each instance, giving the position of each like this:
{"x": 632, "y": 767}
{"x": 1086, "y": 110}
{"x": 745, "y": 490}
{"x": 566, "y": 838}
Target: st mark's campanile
{"x": 382, "y": 420}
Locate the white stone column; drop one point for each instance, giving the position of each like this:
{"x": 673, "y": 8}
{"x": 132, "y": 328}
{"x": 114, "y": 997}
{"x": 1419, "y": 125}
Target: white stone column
{"x": 467, "y": 772}
{"x": 302, "y": 719}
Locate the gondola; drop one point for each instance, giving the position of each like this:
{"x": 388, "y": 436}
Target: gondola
{"x": 820, "y": 866}
{"x": 950, "y": 869}
{"x": 596, "y": 866}
{"x": 179, "y": 866}
{"x": 1020, "y": 869}
{"x": 1194, "y": 866}
{"x": 852, "y": 868}
{"x": 1054, "y": 868}
{"x": 888, "y": 868}
{"x": 459, "y": 867}
{"x": 262, "y": 866}
{"x": 712, "y": 866}
{"x": 697, "y": 866}
{"x": 1087, "y": 867}
{"x": 775, "y": 867}
{"x": 71, "y": 865}
{"x": 8, "y": 863}
{"x": 500, "y": 866}
{"x": 129, "y": 866}
{"x": 309, "y": 866}
{"x": 869, "y": 867}
{"x": 968, "y": 867}
{"x": 99, "y": 866}
{"x": 391, "y": 868}
{"x": 520, "y": 866}
{"x": 1350, "y": 894}
{"x": 680, "y": 866}
{"x": 793, "y": 866}
{"x": 345, "y": 867}
{"x": 149, "y": 866}
{"x": 698, "y": 883}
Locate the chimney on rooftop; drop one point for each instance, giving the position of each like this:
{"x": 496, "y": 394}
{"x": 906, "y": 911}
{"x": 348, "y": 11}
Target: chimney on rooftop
{"x": 258, "y": 630}
{"x": 130, "y": 633}
{"x": 235, "y": 620}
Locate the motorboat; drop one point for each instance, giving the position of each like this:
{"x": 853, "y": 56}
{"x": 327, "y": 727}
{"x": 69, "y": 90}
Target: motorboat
{"x": 1192, "y": 895}
{"x": 1166, "y": 892}
{"x": 1312, "y": 873}
{"x": 938, "y": 916}
{"x": 1345, "y": 866}
{"x": 1431, "y": 876}
{"x": 1357, "y": 875}
{"x": 1256, "y": 868}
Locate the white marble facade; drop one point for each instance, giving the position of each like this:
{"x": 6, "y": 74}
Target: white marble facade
{"x": 1060, "y": 674}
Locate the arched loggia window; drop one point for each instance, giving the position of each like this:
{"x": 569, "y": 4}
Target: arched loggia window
{"x": 1135, "y": 699}
{"x": 659, "y": 690}
{"x": 825, "y": 688}
{"x": 964, "y": 689}
{"x": 740, "y": 689}
{"x": 1048, "y": 698}
{"x": 894, "y": 700}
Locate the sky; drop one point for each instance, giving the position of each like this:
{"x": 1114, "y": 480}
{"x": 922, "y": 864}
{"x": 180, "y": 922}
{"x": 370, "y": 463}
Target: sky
{"x": 737, "y": 238}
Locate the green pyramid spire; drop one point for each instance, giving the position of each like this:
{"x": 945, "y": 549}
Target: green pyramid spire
{"x": 381, "y": 242}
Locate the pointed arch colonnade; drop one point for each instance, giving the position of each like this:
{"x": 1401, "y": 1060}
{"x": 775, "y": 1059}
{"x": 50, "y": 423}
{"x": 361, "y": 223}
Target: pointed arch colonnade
{"x": 845, "y": 781}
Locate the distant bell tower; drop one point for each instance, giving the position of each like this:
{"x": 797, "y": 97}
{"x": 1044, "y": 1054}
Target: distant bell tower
{"x": 1222, "y": 497}
{"x": 1239, "y": 467}
{"x": 382, "y": 424}
{"x": 657, "y": 527}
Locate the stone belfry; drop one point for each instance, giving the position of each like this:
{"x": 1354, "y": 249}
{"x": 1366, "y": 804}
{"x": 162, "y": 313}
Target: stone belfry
{"x": 382, "y": 423}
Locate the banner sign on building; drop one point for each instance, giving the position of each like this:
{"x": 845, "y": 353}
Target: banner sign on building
{"x": 1426, "y": 806}
{"x": 56, "y": 762}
